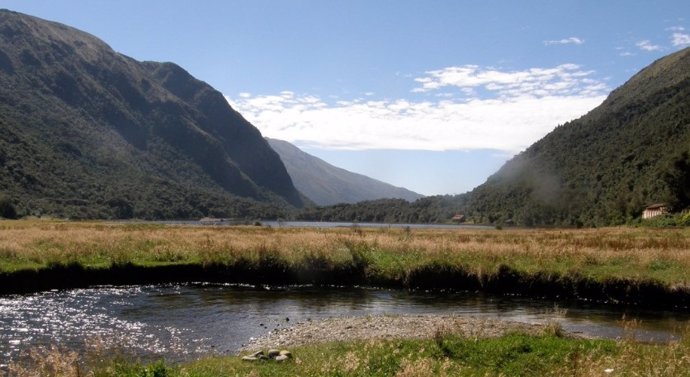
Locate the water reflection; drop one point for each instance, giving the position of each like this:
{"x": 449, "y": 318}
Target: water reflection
{"x": 182, "y": 321}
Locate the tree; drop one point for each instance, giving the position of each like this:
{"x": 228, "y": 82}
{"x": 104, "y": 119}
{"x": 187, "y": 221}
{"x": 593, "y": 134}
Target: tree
{"x": 678, "y": 180}
{"x": 7, "y": 209}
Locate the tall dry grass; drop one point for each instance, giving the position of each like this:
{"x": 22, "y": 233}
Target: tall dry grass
{"x": 625, "y": 253}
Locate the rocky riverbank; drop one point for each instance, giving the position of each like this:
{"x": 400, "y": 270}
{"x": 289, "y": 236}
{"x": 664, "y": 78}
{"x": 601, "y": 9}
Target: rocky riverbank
{"x": 345, "y": 329}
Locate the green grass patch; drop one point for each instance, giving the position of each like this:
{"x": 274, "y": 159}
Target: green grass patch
{"x": 445, "y": 355}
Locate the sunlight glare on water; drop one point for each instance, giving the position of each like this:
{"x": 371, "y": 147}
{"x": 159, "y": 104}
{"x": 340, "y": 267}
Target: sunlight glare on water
{"x": 179, "y": 322}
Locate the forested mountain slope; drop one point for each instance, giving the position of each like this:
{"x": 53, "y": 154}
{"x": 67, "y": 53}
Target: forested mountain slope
{"x": 86, "y": 132}
{"x": 601, "y": 169}
{"x": 605, "y": 167}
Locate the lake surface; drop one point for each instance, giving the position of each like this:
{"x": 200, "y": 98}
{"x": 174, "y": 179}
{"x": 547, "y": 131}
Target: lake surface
{"x": 179, "y": 322}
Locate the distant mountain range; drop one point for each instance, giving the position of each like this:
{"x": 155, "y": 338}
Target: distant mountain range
{"x": 326, "y": 184}
{"x": 87, "y": 132}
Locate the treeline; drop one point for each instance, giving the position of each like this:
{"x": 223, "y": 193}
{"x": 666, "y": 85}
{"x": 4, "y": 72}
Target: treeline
{"x": 428, "y": 210}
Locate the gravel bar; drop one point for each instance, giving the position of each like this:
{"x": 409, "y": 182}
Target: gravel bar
{"x": 344, "y": 329}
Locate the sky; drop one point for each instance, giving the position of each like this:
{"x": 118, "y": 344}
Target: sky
{"x": 430, "y": 95}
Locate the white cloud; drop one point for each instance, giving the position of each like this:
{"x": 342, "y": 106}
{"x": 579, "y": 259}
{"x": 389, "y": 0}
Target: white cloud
{"x": 646, "y": 45}
{"x": 675, "y": 28}
{"x": 622, "y": 51}
{"x": 562, "y": 80}
{"x": 526, "y": 105}
{"x": 565, "y": 41}
{"x": 680, "y": 39}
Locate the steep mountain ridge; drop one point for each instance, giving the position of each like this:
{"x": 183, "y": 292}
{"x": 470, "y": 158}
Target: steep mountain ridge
{"x": 326, "y": 184}
{"x": 604, "y": 167}
{"x": 88, "y": 132}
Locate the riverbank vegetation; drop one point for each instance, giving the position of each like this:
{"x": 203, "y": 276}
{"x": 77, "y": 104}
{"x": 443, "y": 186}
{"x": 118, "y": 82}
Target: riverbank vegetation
{"x": 628, "y": 265}
{"x": 446, "y": 354}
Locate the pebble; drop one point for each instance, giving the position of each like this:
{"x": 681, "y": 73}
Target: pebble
{"x": 281, "y": 358}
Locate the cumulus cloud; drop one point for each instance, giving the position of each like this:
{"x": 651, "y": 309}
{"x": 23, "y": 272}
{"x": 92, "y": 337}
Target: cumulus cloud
{"x": 565, "y": 41}
{"x": 525, "y": 105}
{"x": 679, "y": 39}
{"x": 647, "y": 45}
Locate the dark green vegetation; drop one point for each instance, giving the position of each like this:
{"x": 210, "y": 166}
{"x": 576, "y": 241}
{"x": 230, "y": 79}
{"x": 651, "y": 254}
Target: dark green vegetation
{"x": 446, "y": 355}
{"x": 431, "y": 209}
{"x": 7, "y": 210}
{"x": 602, "y": 169}
{"x": 326, "y": 184}
{"x": 86, "y": 132}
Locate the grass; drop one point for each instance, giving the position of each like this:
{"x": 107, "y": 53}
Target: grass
{"x": 446, "y": 258}
{"x": 399, "y": 257}
{"x": 446, "y": 354}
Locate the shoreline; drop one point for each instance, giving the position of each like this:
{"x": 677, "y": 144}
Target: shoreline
{"x": 507, "y": 281}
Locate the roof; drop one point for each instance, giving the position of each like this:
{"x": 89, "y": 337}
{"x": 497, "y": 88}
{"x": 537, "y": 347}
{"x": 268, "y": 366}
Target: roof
{"x": 657, "y": 206}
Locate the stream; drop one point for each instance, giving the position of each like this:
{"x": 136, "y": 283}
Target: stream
{"x": 180, "y": 322}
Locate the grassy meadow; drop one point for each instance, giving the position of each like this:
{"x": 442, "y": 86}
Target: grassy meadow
{"x": 446, "y": 354}
{"x": 428, "y": 258}
{"x": 629, "y": 257}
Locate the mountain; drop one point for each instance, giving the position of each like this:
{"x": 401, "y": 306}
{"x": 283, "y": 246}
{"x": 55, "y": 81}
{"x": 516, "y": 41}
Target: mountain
{"x": 605, "y": 167}
{"x": 601, "y": 169}
{"x": 326, "y": 184}
{"x": 87, "y": 132}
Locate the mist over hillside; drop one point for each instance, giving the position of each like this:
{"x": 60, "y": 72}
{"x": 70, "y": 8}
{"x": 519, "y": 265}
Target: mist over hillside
{"x": 601, "y": 169}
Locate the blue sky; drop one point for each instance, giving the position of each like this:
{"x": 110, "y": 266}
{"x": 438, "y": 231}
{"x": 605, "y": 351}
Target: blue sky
{"x": 430, "y": 95}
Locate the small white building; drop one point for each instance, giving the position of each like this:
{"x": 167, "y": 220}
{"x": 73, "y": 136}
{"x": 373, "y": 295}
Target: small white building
{"x": 655, "y": 210}
{"x": 458, "y": 218}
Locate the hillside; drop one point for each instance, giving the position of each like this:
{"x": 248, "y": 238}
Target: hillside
{"x": 601, "y": 169}
{"x": 326, "y": 184}
{"x": 90, "y": 133}
{"x": 605, "y": 167}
